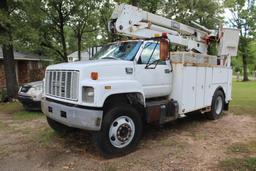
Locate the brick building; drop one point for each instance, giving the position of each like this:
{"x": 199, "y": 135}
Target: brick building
{"x": 29, "y": 67}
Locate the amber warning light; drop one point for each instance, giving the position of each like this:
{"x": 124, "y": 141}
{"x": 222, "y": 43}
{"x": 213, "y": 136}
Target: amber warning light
{"x": 94, "y": 75}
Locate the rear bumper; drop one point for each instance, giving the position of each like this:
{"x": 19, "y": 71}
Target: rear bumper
{"x": 73, "y": 116}
{"x": 29, "y": 103}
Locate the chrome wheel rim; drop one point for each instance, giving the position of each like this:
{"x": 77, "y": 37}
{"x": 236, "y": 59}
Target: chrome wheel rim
{"x": 121, "y": 131}
{"x": 218, "y": 105}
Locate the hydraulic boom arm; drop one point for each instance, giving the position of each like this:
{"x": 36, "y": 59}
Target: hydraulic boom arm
{"x": 132, "y": 21}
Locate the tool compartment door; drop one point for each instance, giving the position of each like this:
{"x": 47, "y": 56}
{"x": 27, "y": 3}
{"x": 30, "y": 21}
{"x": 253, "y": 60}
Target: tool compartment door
{"x": 208, "y": 87}
{"x": 189, "y": 89}
{"x": 200, "y": 85}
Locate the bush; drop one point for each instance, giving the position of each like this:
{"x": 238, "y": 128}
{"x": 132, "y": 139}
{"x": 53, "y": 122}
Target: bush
{"x": 3, "y": 95}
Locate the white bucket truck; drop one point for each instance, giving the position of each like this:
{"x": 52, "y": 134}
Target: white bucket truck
{"x": 140, "y": 81}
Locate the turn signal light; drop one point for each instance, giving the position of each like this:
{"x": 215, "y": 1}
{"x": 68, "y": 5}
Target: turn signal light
{"x": 94, "y": 75}
{"x": 157, "y": 35}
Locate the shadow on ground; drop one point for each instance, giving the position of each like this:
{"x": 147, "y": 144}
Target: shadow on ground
{"x": 81, "y": 141}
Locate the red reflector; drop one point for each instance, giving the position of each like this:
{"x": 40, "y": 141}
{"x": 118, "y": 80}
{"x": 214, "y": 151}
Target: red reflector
{"x": 164, "y": 35}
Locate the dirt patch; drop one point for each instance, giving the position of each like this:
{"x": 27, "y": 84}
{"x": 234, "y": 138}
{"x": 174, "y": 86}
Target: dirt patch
{"x": 186, "y": 144}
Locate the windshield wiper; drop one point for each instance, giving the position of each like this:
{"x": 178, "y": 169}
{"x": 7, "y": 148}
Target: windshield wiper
{"x": 109, "y": 57}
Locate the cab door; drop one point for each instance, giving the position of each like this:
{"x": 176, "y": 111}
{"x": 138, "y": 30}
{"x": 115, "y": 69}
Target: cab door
{"x": 155, "y": 78}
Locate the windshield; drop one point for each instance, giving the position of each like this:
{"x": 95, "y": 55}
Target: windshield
{"x": 118, "y": 50}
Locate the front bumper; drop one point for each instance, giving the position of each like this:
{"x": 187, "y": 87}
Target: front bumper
{"x": 73, "y": 116}
{"x": 29, "y": 103}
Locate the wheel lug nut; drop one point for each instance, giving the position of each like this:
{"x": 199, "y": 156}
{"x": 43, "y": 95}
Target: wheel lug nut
{"x": 113, "y": 138}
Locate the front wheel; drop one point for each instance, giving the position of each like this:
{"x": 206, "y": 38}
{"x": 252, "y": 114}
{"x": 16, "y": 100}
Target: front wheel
{"x": 121, "y": 131}
{"x": 217, "y": 105}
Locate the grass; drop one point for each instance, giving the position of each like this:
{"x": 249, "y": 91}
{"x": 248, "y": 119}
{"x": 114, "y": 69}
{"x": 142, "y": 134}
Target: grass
{"x": 18, "y": 112}
{"x": 26, "y": 115}
{"x": 110, "y": 168}
{"x": 238, "y": 148}
{"x": 46, "y": 136}
{"x": 2, "y": 126}
{"x": 242, "y": 156}
{"x": 10, "y": 107}
{"x": 244, "y": 98}
{"x": 246, "y": 159}
{"x": 246, "y": 163}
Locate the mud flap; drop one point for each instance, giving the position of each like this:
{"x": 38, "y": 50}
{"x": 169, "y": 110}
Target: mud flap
{"x": 226, "y": 106}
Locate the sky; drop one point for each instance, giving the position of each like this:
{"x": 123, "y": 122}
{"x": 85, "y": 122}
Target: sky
{"x": 227, "y": 15}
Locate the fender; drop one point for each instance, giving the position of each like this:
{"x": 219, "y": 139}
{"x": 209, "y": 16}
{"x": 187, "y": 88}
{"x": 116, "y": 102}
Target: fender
{"x": 105, "y": 88}
{"x": 221, "y": 88}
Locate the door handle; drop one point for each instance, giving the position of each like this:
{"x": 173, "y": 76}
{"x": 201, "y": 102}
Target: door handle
{"x": 167, "y": 71}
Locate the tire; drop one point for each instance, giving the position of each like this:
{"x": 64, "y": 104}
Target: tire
{"x": 120, "y": 132}
{"x": 217, "y": 105}
{"x": 58, "y": 127}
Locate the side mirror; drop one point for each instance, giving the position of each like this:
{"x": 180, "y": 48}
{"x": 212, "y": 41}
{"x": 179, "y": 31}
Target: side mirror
{"x": 164, "y": 49}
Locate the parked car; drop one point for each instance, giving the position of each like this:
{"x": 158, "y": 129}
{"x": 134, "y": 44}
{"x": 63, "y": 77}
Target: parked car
{"x": 30, "y": 95}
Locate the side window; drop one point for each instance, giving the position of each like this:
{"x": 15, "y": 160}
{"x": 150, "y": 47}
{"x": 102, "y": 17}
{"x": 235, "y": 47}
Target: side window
{"x": 147, "y": 51}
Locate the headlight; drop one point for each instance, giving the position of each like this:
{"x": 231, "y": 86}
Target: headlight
{"x": 88, "y": 94}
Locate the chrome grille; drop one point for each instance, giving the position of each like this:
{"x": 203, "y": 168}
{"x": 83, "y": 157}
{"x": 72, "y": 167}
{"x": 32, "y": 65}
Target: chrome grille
{"x": 62, "y": 84}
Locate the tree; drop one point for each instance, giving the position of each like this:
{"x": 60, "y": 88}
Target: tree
{"x": 105, "y": 12}
{"x": 134, "y": 2}
{"x": 252, "y": 54}
{"x": 243, "y": 18}
{"x": 7, "y": 25}
{"x": 84, "y": 20}
{"x": 58, "y": 14}
{"x": 151, "y": 5}
{"x": 204, "y": 12}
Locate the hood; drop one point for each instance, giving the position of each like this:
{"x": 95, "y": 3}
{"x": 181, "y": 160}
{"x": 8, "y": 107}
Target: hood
{"x": 107, "y": 68}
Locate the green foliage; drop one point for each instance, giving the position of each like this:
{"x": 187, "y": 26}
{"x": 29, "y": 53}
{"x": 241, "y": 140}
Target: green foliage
{"x": 186, "y": 11}
{"x": 53, "y": 28}
{"x": 252, "y": 55}
{"x": 237, "y": 64}
{"x": 104, "y": 14}
{"x": 151, "y": 5}
{"x": 53, "y": 33}
{"x": 84, "y": 21}
{"x": 243, "y": 13}
{"x": 3, "y": 95}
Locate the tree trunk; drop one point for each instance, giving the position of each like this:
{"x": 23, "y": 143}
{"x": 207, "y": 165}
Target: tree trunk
{"x": 62, "y": 33}
{"x": 63, "y": 42}
{"x": 8, "y": 57}
{"x": 9, "y": 68}
{"x": 79, "y": 41}
{"x": 245, "y": 66}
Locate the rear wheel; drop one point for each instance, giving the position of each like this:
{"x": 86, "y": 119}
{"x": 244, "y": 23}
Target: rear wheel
{"x": 58, "y": 127}
{"x": 121, "y": 131}
{"x": 217, "y": 105}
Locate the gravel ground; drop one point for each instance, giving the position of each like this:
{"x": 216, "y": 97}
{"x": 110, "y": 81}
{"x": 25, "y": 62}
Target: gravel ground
{"x": 191, "y": 143}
